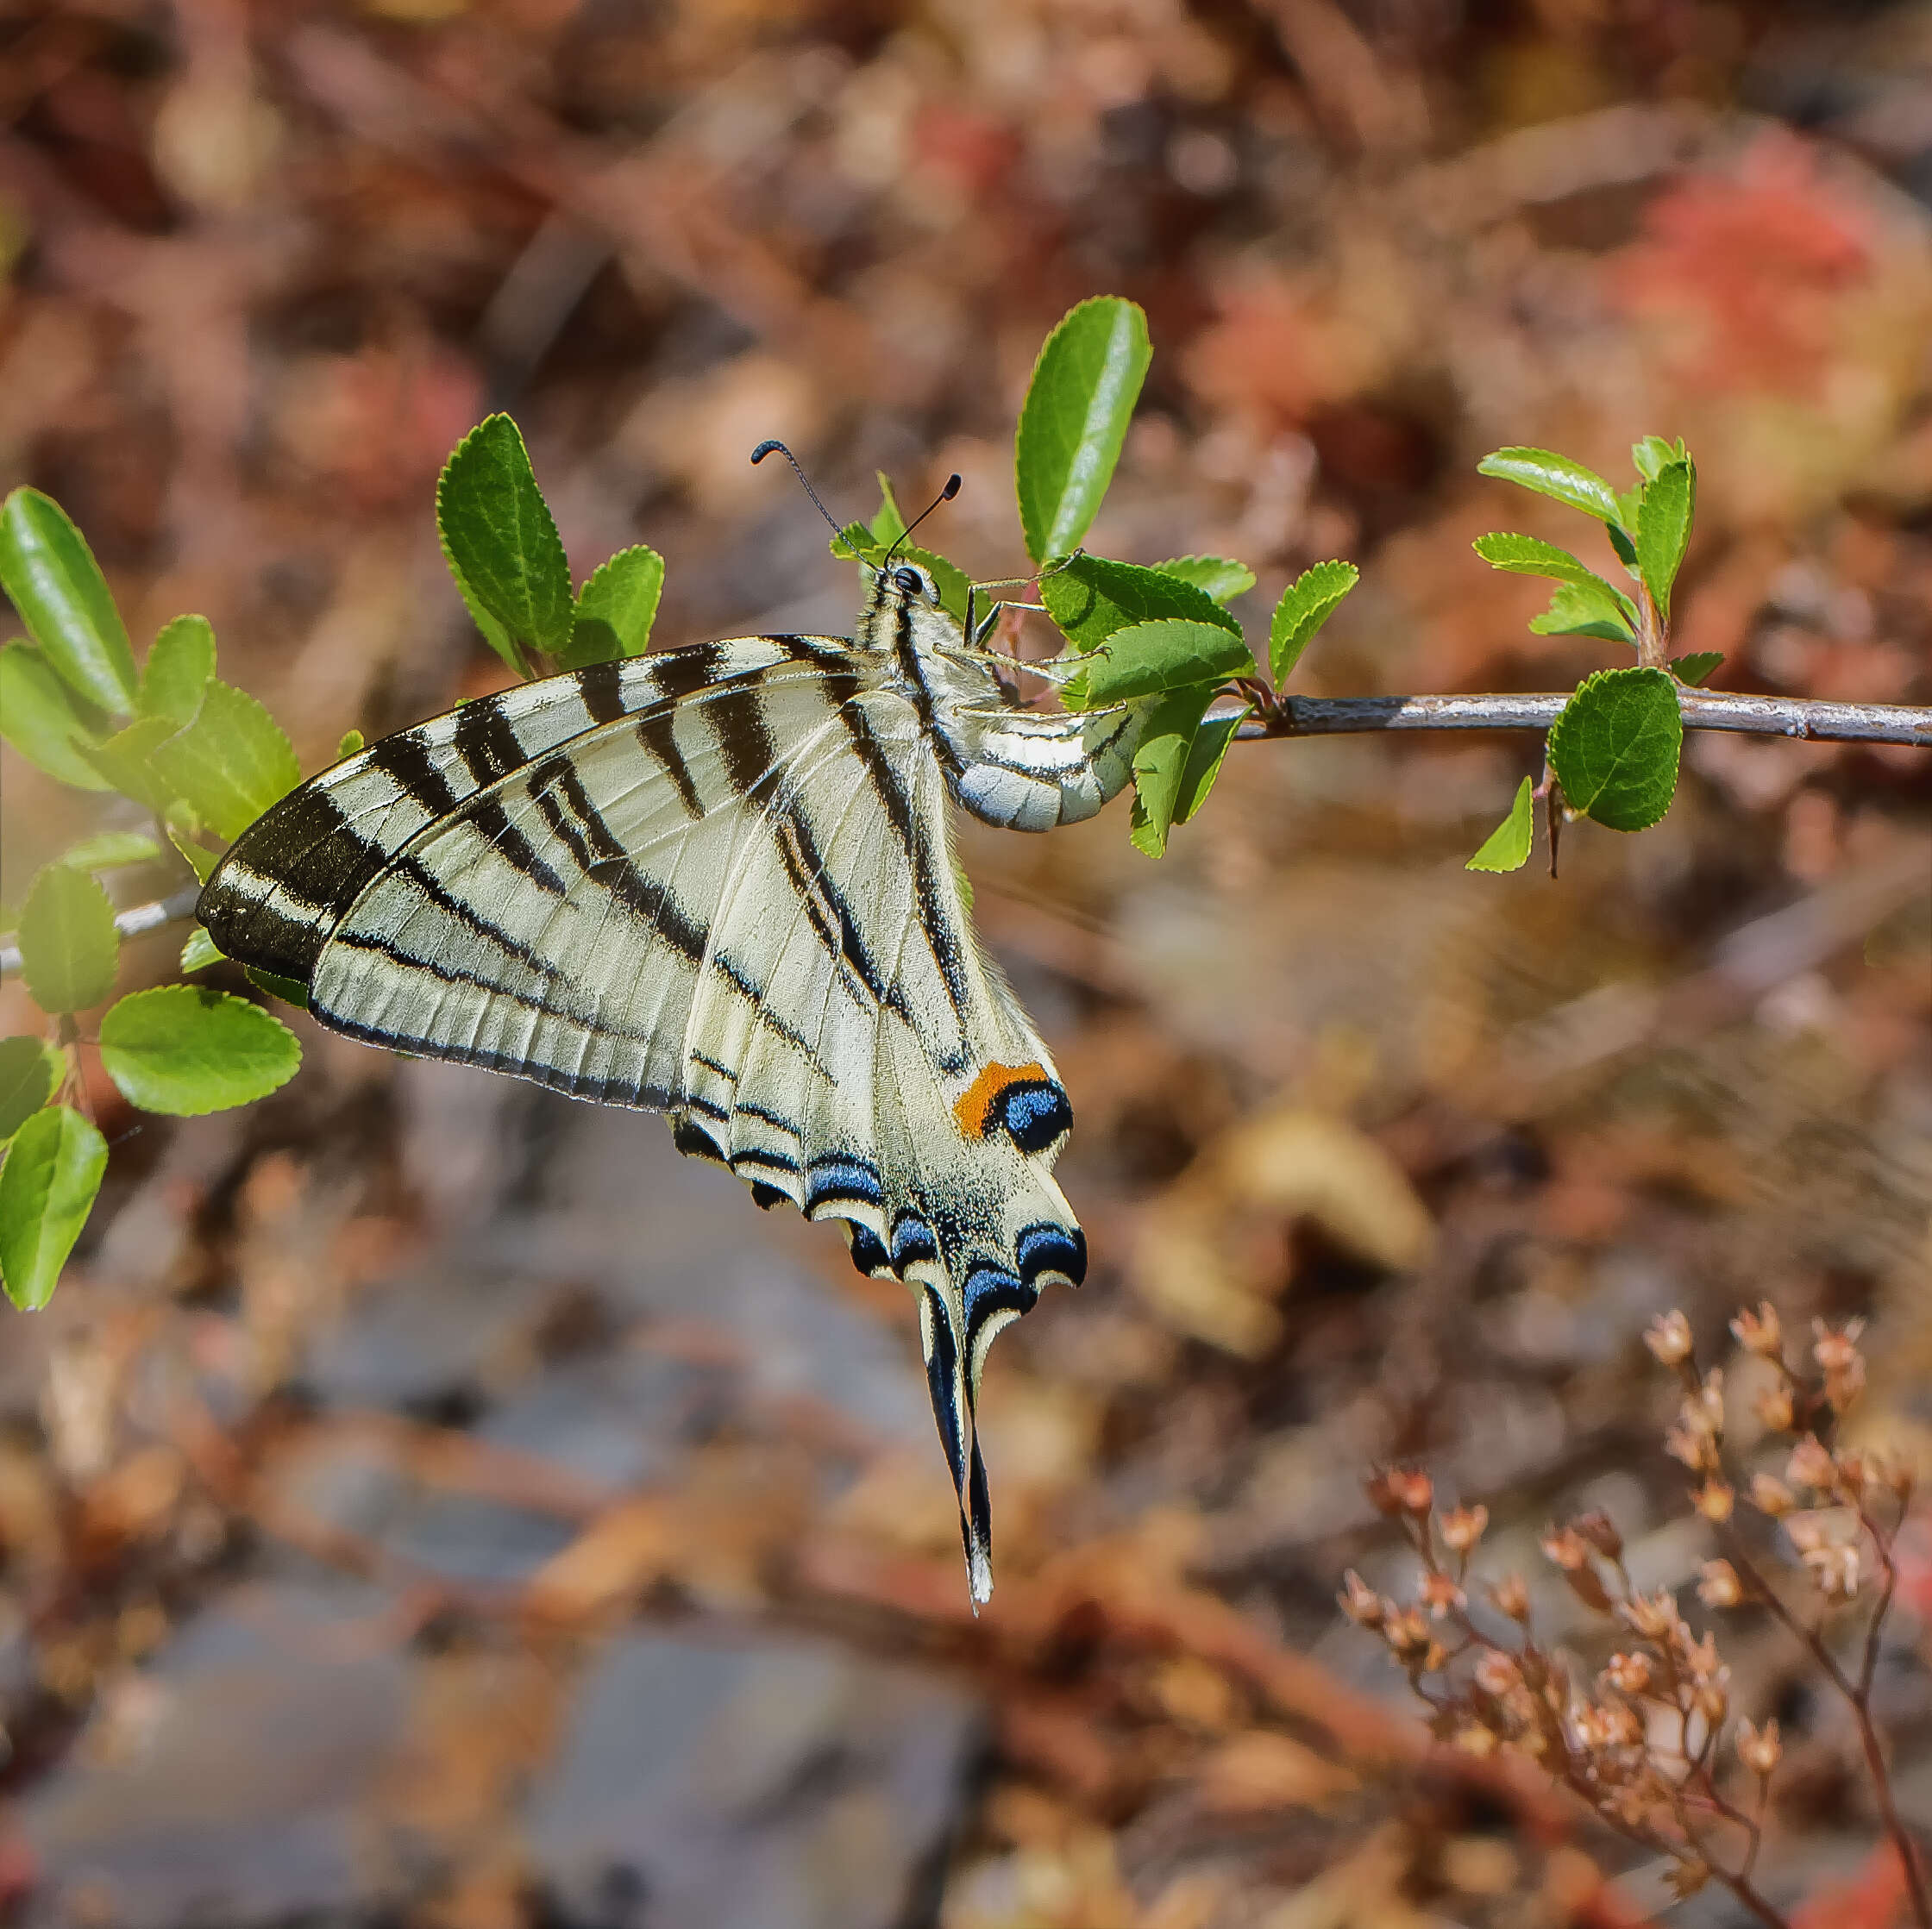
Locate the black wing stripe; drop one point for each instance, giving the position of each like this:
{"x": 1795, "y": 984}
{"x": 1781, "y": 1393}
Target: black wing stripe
{"x": 406, "y": 758}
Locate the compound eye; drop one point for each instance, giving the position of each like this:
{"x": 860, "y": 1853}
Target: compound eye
{"x": 908, "y": 578}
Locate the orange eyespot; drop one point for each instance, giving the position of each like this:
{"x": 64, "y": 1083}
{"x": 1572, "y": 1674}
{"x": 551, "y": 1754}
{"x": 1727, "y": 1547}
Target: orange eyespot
{"x": 977, "y": 1107}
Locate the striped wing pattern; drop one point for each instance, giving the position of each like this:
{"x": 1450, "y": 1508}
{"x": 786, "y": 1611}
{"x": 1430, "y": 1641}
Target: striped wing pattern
{"x": 715, "y": 882}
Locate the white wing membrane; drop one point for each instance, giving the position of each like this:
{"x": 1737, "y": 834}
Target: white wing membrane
{"x": 715, "y": 882}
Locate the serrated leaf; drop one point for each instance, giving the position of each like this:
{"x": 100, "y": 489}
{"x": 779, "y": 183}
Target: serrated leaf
{"x": 231, "y": 763}
{"x": 199, "y": 952}
{"x": 1653, "y": 455}
{"x": 126, "y": 760}
{"x": 38, "y": 718}
{"x": 182, "y": 826}
{"x": 1556, "y": 476}
{"x": 1084, "y": 387}
{"x": 889, "y": 523}
{"x": 177, "y": 671}
{"x": 1664, "y": 530}
{"x": 1149, "y": 658}
{"x": 1698, "y": 664}
{"x": 500, "y": 541}
{"x": 1587, "y": 609}
{"x": 291, "y": 991}
{"x": 1206, "y": 755}
{"x": 30, "y": 1073}
{"x": 69, "y": 948}
{"x": 352, "y": 741}
{"x": 47, "y": 1188}
{"x": 1615, "y": 745}
{"x": 1160, "y": 761}
{"x": 1306, "y": 605}
{"x": 48, "y": 571}
{"x": 1091, "y": 598}
{"x": 616, "y": 609}
{"x": 110, "y": 850}
{"x": 1527, "y": 556}
{"x": 1507, "y": 846}
{"x": 186, "y": 1049}
{"x": 1219, "y": 577}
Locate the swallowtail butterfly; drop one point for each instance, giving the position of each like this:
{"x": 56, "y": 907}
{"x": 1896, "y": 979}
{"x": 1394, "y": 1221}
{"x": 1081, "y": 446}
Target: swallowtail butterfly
{"x": 718, "y": 882}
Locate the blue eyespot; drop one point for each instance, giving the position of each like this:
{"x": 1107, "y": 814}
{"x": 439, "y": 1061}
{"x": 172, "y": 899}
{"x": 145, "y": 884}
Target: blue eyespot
{"x": 1033, "y": 1115}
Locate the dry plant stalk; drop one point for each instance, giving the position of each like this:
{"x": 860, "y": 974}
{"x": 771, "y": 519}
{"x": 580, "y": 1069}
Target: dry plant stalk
{"x": 1641, "y": 1746}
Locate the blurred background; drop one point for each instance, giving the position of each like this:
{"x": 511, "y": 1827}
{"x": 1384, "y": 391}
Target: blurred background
{"x": 428, "y": 1503}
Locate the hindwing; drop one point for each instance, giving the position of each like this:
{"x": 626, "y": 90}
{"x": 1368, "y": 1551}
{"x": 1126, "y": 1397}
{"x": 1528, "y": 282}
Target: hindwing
{"x": 717, "y": 882}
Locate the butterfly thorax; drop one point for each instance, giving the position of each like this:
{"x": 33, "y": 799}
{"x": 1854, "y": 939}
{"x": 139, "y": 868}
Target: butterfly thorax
{"x": 1018, "y": 768}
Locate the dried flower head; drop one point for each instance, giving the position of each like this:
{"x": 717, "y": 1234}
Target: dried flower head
{"x": 1654, "y": 1616}
{"x": 1406, "y": 1632}
{"x": 1835, "y": 1569}
{"x": 1810, "y": 1464}
{"x": 1773, "y": 1408}
{"x": 1760, "y": 1332}
{"x": 1714, "y": 1500}
{"x": 1511, "y": 1597}
{"x": 1629, "y": 1674}
{"x": 1687, "y": 1876}
{"x": 1464, "y": 1528}
{"x": 1409, "y": 1489}
{"x": 1840, "y": 1361}
{"x": 1771, "y": 1496}
{"x": 1440, "y": 1595}
{"x": 1360, "y": 1602}
{"x": 1566, "y": 1547}
{"x": 1496, "y": 1672}
{"x": 1719, "y": 1586}
{"x": 1668, "y": 1338}
{"x": 1600, "y": 1530}
{"x": 1760, "y": 1749}
{"x": 1473, "y": 1738}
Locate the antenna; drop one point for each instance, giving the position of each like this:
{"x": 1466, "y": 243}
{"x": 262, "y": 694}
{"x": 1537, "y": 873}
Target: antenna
{"x": 945, "y": 495}
{"x": 763, "y": 449}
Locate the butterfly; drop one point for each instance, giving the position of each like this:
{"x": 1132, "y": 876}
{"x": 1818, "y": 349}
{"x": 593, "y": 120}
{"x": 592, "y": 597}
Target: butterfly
{"x": 718, "y": 882}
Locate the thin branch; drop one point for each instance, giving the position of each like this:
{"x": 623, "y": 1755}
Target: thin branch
{"x": 1803, "y": 717}
{"x": 129, "y": 923}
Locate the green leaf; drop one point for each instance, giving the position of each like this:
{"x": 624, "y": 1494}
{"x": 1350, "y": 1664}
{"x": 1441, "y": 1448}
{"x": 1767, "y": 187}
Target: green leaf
{"x": 1149, "y": 658}
{"x": 1525, "y": 556}
{"x": 48, "y": 569}
{"x": 110, "y": 849}
{"x": 38, "y": 718}
{"x": 126, "y": 760}
{"x": 351, "y": 742}
{"x": 199, "y": 952}
{"x": 231, "y": 763}
{"x": 1219, "y": 577}
{"x": 1653, "y": 455}
{"x": 1206, "y": 755}
{"x": 1615, "y": 747}
{"x": 182, "y": 825}
{"x": 1306, "y": 605}
{"x": 889, "y": 523}
{"x": 500, "y": 543}
{"x": 1557, "y": 476}
{"x": 30, "y": 1073}
{"x": 1075, "y": 418}
{"x": 291, "y": 991}
{"x": 1159, "y": 763}
{"x": 186, "y": 1049}
{"x": 1587, "y": 609}
{"x": 1507, "y": 846}
{"x": 616, "y": 609}
{"x": 1664, "y": 530}
{"x": 69, "y": 948}
{"x": 1091, "y": 598}
{"x": 177, "y": 669}
{"x": 1695, "y": 667}
{"x": 47, "y": 1188}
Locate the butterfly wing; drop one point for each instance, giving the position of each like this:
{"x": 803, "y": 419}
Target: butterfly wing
{"x": 715, "y": 882}
{"x": 926, "y": 1112}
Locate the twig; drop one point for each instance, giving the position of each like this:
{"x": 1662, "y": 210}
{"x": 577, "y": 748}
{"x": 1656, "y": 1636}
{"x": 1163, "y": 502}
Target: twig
{"x": 129, "y": 923}
{"x": 1804, "y": 718}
